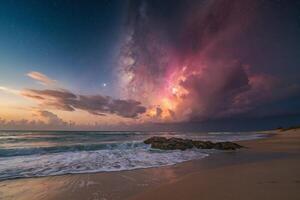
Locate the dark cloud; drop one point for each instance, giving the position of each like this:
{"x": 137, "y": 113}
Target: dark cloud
{"x": 94, "y": 104}
{"x": 209, "y": 97}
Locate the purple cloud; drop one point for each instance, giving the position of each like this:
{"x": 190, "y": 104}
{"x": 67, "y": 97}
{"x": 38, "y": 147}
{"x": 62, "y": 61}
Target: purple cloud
{"x": 94, "y": 104}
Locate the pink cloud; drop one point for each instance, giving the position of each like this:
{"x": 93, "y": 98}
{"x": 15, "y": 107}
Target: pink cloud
{"x": 41, "y": 78}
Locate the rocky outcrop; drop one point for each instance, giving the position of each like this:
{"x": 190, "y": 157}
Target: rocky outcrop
{"x": 183, "y": 144}
{"x": 227, "y": 146}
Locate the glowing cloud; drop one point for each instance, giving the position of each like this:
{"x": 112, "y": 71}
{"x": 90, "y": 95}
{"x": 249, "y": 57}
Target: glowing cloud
{"x": 9, "y": 90}
{"x": 189, "y": 71}
{"x": 41, "y": 78}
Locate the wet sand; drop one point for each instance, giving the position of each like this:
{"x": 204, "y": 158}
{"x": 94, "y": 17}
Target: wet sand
{"x": 267, "y": 169}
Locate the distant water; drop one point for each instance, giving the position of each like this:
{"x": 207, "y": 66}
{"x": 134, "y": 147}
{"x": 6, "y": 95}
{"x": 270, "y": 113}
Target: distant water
{"x": 45, "y": 153}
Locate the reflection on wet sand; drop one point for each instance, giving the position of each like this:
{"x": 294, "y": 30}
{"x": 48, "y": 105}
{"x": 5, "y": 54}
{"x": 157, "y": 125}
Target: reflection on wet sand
{"x": 116, "y": 185}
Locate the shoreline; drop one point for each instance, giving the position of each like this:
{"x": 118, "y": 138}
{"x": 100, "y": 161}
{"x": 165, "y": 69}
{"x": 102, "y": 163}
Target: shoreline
{"x": 145, "y": 183}
{"x": 206, "y": 152}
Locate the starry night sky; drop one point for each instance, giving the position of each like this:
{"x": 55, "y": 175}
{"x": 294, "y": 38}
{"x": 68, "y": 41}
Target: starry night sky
{"x": 150, "y": 61}
{"x": 72, "y": 41}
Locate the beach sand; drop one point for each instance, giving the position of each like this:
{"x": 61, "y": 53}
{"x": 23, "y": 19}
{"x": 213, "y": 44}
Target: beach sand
{"x": 273, "y": 174}
{"x": 267, "y": 169}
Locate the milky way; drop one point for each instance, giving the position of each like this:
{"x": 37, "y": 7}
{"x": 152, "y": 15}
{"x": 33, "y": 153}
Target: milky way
{"x": 179, "y": 61}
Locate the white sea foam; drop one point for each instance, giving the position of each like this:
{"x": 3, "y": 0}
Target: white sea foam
{"x": 33, "y": 154}
{"x": 91, "y": 161}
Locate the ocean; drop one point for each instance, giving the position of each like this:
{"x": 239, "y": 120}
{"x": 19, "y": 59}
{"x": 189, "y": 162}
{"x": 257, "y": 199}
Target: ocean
{"x": 46, "y": 153}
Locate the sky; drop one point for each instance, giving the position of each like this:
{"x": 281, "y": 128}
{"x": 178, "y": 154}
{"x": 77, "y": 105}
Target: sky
{"x": 149, "y": 64}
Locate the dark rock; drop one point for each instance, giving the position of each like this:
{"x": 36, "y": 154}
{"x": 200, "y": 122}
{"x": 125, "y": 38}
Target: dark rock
{"x": 203, "y": 144}
{"x": 227, "y": 146}
{"x": 169, "y": 144}
{"x": 155, "y": 140}
{"x": 183, "y": 144}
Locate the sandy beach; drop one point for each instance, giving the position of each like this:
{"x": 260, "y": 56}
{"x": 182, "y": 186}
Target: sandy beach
{"x": 273, "y": 173}
{"x": 267, "y": 169}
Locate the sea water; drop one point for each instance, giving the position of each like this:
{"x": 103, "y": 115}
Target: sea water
{"x": 46, "y": 153}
